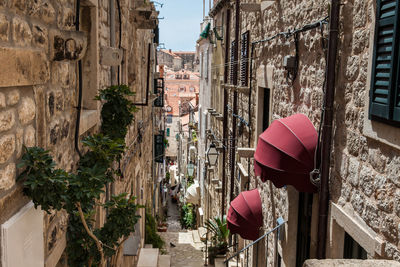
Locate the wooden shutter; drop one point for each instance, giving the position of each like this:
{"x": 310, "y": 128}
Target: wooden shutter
{"x": 244, "y": 59}
{"x": 384, "y": 70}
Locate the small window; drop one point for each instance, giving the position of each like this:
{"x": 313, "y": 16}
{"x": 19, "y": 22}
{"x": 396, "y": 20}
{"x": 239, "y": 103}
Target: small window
{"x": 178, "y": 76}
{"x": 182, "y": 89}
{"x": 167, "y": 131}
{"x": 186, "y": 76}
{"x": 169, "y": 118}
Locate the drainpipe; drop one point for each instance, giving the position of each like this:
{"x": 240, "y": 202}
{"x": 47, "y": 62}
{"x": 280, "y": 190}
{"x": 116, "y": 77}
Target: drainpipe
{"x": 225, "y": 122}
{"x": 235, "y": 96}
{"x": 112, "y": 38}
{"x": 80, "y": 84}
{"x": 327, "y": 128}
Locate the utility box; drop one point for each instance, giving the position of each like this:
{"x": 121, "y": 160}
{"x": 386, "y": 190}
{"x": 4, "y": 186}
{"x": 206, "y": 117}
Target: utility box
{"x": 110, "y": 56}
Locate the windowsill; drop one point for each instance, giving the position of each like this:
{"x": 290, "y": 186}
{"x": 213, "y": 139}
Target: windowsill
{"x": 382, "y": 132}
{"x": 89, "y": 119}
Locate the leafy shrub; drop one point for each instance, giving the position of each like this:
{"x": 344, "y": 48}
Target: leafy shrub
{"x": 151, "y": 236}
{"x": 188, "y": 216}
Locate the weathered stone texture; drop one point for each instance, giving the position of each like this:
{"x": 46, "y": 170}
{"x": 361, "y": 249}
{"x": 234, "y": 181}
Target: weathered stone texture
{"x": 22, "y": 33}
{"x": 7, "y": 120}
{"x": 13, "y": 97}
{"x": 26, "y": 110}
{"x": 7, "y": 176}
{"x": 7, "y": 147}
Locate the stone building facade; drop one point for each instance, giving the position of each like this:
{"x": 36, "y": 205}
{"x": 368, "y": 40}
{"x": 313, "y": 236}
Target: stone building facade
{"x": 40, "y": 47}
{"x": 364, "y": 173}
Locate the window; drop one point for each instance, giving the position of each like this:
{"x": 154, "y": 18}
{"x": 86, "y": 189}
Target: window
{"x": 353, "y": 250}
{"x": 178, "y": 76}
{"x": 169, "y": 118}
{"x": 167, "y": 131}
{"x": 191, "y": 89}
{"x": 182, "y": 89}
{"x": 244, "y": 59}
{"x": 186, "y": 76}
{"x": 385, "y": 81}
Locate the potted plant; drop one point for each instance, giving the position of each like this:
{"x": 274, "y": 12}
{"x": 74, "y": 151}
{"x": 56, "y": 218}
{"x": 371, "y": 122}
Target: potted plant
{"x": 218, "y": 228}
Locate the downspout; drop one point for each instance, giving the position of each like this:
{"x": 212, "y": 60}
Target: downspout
{"x": 80, "y": 84}
{"x": 327, "y": 129}
{"x": 235, "y": 96}
{"x": 249, "y": 106}
{"x": 112, "y": 37}
{"x": 225, "y": 122}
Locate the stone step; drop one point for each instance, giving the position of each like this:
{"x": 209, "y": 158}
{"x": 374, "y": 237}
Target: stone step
{"x": 164, "y": 260}
{"x": 196, "y": 236}
{"x": 148, "y": 257}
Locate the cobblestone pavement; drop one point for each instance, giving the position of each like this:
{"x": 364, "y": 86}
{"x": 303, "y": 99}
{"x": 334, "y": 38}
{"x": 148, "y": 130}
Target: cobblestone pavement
{"x": 186, "y": 252}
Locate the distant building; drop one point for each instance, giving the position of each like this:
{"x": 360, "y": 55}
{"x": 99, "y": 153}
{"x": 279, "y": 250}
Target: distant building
{"x": 181, "y": 97}
{"x": 177, "y": 60}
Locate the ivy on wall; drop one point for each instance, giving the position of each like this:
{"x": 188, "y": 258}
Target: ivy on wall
{"x": 79, "y": 192}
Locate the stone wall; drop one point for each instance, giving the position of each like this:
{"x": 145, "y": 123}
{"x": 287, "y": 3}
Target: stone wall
{"x": 39, "y": 49}
{"x": 365, "y": 166}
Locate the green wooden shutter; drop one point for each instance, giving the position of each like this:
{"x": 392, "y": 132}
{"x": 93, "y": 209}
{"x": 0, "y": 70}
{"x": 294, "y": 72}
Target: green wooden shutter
{"x": 384, "y": 70}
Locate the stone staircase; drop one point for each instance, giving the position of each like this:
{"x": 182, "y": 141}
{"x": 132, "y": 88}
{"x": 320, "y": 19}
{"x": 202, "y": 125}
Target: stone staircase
{"x": 151, "y": 257}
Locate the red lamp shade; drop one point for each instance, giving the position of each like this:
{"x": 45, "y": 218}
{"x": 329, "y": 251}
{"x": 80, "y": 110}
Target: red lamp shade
{"x": 285, "y": 153}
{"x": 245, "y": 215}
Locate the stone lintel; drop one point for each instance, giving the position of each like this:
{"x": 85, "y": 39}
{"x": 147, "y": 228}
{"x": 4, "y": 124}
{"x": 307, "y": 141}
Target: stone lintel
{"x": 250, "y": 7}
{"x": 246, "y": 152}
{"x": 23, "y": 67}
{"x": 357, "y": 229}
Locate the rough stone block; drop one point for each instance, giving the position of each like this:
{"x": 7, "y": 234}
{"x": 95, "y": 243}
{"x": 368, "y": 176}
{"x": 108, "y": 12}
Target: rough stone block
{"x": 7, "y": 120}
{"x": 42, "y": 9}
{"x": 2, "y": 100}
{"x": 4, "y": 28}
{"x": 354, "y": 166}
{"x": 4, "y": 3}
{"x": 19, "y": 140}
{"x": 29, "y": 136}
{"x": 22, "y": 33}
{"x": 7, "y": 176}
{"x": 7, "y": 147}
{"x": 20, "y": 5}
{"x": 66, "y": 19}
{"x": 26, "y": 110}
{"x": 12, "y": 97}
{"x": 25, "y": 67}
{"x": 367, "y": 180}
{"x": 40, "y": 36}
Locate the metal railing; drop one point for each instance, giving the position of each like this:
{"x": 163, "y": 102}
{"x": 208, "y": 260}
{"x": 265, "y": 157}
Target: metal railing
{"x": 281, "y": 222}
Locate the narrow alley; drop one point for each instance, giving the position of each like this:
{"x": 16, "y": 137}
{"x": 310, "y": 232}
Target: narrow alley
{"x": 184, "y": 246}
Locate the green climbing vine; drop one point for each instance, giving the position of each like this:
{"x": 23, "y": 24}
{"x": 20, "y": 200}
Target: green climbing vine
{"x": 79, "y": 192}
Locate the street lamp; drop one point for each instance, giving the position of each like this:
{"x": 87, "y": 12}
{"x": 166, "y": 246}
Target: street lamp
{"x": 190, "y": 169}
{"x": 212, "y": 155}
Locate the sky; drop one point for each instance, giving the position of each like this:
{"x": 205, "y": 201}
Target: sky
{"x": 180, "y": 28}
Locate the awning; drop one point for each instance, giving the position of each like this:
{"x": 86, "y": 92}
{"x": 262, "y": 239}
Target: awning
{"x": 285, "y": 153}
{"x": 193, "y": 194}
{"x": 245, "y": 215}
